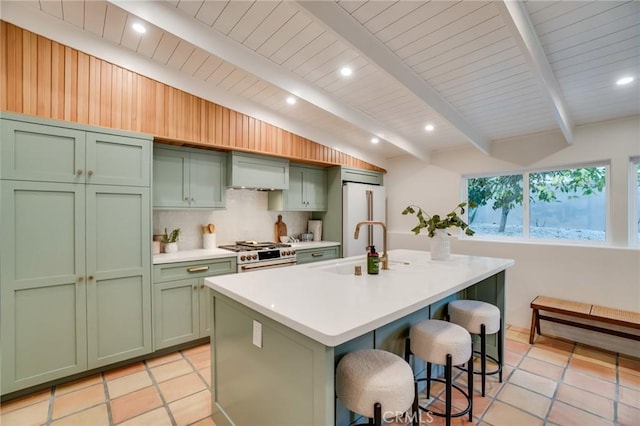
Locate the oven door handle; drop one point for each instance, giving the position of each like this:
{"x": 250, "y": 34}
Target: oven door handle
{"x": 271, "y": 265}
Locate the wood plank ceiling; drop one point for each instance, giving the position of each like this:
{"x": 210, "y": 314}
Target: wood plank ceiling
{"x": 476, "y": 71}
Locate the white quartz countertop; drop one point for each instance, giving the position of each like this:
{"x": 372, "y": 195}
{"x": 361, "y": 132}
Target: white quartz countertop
{"x": 187, "y": 255}
{"x": 326, "y": 302}
{"x": 203, "y": 254}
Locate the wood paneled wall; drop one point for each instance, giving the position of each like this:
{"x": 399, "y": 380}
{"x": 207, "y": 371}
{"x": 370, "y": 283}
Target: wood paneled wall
{"x": 43, "y": 78}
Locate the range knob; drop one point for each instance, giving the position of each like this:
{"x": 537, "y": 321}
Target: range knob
{"x": 254, "y": 257}
{"x": 243, "y": 258}
{"x": 293, "y": 252}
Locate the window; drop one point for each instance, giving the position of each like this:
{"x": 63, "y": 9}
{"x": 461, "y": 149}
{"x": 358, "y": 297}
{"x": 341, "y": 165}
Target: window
{"x": 634, "y": 201}
{"x": 561, "y": 204}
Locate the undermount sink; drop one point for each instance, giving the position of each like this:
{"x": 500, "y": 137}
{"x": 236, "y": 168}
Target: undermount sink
{"x": 348, "y": 267}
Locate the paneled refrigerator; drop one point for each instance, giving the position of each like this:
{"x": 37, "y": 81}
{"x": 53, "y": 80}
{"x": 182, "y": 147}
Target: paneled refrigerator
{"x": 362, "y": 202}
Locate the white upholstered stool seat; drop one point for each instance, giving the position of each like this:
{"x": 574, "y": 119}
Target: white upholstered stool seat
{"x": 471, "y": 314}
{"x": 479, "y": 318}
{"x": 433, "y": 340}
{"x": 367, "y": 377}
{"x": 444, "y": 343}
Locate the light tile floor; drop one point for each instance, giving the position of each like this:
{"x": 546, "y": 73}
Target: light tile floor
{"x": 551, "y": 382}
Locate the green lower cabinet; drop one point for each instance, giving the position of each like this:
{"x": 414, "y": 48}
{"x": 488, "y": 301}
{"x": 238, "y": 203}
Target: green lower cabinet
{"x": 317, "y": 254}
{"x": 181, "y": 300}
{"x": 176, "y": 317}
{"x": 75, "y": 272}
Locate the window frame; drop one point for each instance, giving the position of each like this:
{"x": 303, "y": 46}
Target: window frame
{"x": 634, "y": 210}
{"x": 526, "y": 237}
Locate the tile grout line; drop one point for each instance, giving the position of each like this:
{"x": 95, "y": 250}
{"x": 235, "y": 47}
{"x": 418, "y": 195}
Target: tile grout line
{"x": 106, "y": 394}
{"x": 156, "y": 386}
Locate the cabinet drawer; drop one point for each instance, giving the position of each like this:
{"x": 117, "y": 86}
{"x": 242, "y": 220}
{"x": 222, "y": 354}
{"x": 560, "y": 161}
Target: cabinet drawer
{"x": 317, "y": 255}
{"x": 194, "y": 269}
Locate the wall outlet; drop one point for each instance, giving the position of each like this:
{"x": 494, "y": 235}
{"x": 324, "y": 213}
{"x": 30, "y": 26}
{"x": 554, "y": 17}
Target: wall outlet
{"x": 257, "y": 334}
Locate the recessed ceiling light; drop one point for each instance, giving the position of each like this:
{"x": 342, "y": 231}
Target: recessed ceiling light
{"x": 375, "y": 140}
{"x": 346, "y": 71}
{"x": 429, "y": 127}
{"x": 291, "y": 100}
{"x": 139, "y": 28}
{"x": 624, "y": 81}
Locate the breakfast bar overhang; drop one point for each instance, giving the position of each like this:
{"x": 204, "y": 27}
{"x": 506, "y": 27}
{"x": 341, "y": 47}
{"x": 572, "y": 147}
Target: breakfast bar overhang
{"x": 278, "y": 334}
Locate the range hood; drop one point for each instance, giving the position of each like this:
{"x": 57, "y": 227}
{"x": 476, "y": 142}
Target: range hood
{"x": 257, "y": 171}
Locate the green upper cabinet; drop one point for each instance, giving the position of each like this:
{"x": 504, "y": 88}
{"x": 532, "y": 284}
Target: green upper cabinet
{"x": 257, "y": 171}
{"x": 307, "y": 190}
{"x": 350, "y": 174}
{"x": 44, "y": 150}
{"x": 189, "y": 178}
{"x": 117, "y": 160}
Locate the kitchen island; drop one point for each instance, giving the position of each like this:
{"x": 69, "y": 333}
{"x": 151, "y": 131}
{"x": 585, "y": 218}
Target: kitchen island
{"x": 278, "y": 334}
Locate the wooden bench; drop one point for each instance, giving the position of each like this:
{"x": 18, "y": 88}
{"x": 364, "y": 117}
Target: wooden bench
{"x": 585, "y": 311}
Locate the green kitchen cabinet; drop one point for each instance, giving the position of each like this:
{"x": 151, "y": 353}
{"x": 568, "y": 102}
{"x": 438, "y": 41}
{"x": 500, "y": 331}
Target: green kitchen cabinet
{"x": 257, "y": 171}
{"x": 45, "y": 150}
{"x": 317, "y": 254}
{"x": 42, "y": 269}
{"x": 118, "y": 273}
{"x": 189, "y": 178}
{"x": 75, "y": 276}
{"x": 181, "y": 300}
{"x": 76, "y": 253}
{"x": 307, "y": 190}
{"x": 352, "y": 174}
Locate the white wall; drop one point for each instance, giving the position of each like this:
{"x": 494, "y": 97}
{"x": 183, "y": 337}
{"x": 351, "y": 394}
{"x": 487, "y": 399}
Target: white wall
{"x": 607, "y": 274}
{"x": 245, "y": 218}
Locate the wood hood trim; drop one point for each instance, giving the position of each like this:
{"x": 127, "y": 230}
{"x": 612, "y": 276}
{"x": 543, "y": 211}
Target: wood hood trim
{"x": 43, "y": 78}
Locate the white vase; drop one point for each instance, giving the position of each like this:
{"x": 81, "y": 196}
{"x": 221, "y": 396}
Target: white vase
{"x": 171, "y": 247}
{"x": 440, "y": 245}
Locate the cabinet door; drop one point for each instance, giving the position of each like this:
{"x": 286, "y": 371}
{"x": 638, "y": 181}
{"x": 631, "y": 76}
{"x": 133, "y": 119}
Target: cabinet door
{"x": 170, "y": 178}
{"x": 176, "y": 312}
{"x": 206, "y": 309}
{"x": 117, "y": 160}
{"x": 315, "y": 188}
{"x": 118, "y": 273}
{"x": 42, "y": 267}
{"x": 41, "y": 153}
{"x": 208, "y": 176}
{"x": 294, "y": 197}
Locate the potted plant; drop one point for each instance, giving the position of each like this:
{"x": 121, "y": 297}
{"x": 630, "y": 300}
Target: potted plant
{"x": 437, "y": 226}
{"x": 170, "y": 240}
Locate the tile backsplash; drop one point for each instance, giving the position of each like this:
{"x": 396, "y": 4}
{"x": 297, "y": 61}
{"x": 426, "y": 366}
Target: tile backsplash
{"x": 245, "y": 218}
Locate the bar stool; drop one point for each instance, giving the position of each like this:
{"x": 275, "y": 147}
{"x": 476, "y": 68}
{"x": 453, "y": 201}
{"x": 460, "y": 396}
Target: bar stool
{"x": 443, "y": 343}
{"x": 479, "y": 318}
{"x": 371, "y": 382}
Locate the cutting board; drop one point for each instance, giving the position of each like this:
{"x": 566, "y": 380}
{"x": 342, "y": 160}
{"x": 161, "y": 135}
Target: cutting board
{"x": 280, "y": 229}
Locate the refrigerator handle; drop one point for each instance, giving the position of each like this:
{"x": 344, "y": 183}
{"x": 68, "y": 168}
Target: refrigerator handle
{"x": 369, "y": 217}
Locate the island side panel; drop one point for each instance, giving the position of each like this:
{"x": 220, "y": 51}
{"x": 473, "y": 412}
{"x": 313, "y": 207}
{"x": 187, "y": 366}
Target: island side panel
{"x": 289, "y": 381}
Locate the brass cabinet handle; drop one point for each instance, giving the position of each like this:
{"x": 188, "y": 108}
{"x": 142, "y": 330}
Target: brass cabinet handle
{"x": 202, "y": 285}
{"x": 90, "y": 172}
{"x": 317, "y": 254}
{"x": 198, "y": 269}
{"x": 186, "y": 198}
{"x": 79, "y": 172}
{"x": 195, "y": 287}
{"x": 80, "y": 279}
{"x": 90, "y": 277}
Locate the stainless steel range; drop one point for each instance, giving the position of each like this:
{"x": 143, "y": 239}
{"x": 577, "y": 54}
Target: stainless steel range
{"x": 255, "y": 255}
